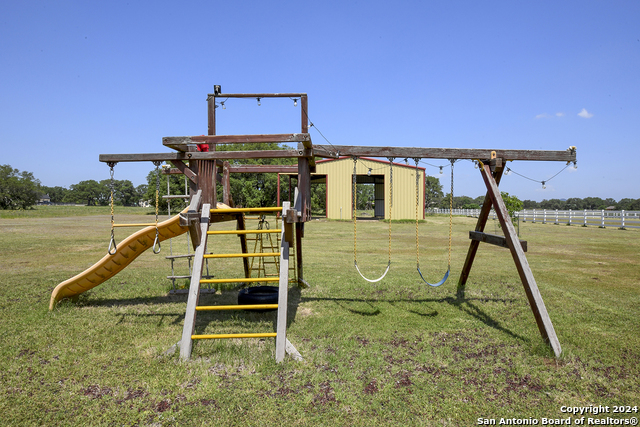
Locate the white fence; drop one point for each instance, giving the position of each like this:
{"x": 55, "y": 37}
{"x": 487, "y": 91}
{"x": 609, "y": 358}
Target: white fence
{"x": 600, "y": 218}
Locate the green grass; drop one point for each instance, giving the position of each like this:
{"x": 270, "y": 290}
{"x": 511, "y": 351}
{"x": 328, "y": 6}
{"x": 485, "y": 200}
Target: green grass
{"x": 394, "y": 353}
{"x": 55, "y": 211}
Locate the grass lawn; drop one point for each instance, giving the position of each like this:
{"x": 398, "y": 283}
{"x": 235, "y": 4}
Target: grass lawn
{"x": 397, "y": 352}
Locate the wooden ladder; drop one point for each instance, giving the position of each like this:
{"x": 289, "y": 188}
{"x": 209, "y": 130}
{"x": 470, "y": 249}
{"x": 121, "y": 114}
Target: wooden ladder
{"x": 286, "y": 239}
{"x": 264, "y": 243}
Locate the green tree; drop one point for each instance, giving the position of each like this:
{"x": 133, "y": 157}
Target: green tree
{"x": 141, "y": 193}
{"x": 463, "y": 202}
{"x": 574, "y": 203}
{"x": 91, "y": 192}
{"x": 147, "y": 192}
{"x": 256, "y": 189}
{"x": 512, "y": 203}
{"x": 628, "y": 205}
{"x": 124, "y": 192}
{"x": 56, "y": 194}
{"x": 552, "y": 204}
{"x": 365, "y": 196}
{"x": 18, "y": 190}
{"x": 594, "y": 203}
{"x": 319, "y": 199}
{"x": 433, "y": 192}
{"x": 479, "y": 200}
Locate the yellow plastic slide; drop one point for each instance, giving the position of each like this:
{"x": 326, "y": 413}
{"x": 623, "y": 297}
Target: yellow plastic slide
{"x": 110, "y": 265}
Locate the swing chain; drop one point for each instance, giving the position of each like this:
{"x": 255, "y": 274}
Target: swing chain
{"x": 112, "y": 243}
{"x": 355, "y": 228}
{"x": 451, "y": 210}
{"x": 390, "y": 201}
{"x": 416, "y": 160}
{"x": 156, "y": 243}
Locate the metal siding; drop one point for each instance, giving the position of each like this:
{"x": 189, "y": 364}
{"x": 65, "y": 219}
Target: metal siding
{"x": 340, "y": 180}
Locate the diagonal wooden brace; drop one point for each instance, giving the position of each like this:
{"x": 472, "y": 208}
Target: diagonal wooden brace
{"x": 186, "y": 171}
{"x": 524, "y": 270}
{"x": 194, "y": 287}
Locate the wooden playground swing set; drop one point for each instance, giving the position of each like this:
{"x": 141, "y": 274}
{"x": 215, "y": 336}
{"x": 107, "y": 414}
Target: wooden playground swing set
{"x": 197, "y": 158}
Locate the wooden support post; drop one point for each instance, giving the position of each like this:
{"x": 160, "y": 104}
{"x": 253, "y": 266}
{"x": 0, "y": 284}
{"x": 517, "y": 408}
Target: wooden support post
{"x": 211, "y": 115}
{"x": 304, "y": 188}
{"x": 211, "y": 130}
{"x": 304, "y": 169}
{"x": 226, "y": 184}
{"x": 243, "y": 244}
{"x": 206, "y": 169}
{"x": 283, "y": 289}
{"x": 526, "y": 276}
{"x": 194, "y": 287}
{"x": 299, "y": 236}
{"x": 480, "y": 224}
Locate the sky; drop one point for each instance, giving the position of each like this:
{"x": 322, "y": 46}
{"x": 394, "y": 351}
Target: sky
{"x": 80, "y": 79}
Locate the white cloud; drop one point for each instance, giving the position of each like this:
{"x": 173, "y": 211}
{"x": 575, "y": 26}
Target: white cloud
{"x": 543, "y": 116}
{"x": 560, "y": 114}
{"x": 585, "y": 114}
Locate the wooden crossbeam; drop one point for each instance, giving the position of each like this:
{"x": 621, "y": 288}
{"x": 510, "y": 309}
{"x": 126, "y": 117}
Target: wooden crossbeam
{"x": 205, "y": 155}
{"x": 263, "y": 169}
{"x": 182, "y": 141}
{"x": 257, "y": 95}
{"x": 568, "y": 155}
{"x": 494, "y": 239}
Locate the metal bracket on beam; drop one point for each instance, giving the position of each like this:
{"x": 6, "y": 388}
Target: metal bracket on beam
{"x": 495, "y": 163}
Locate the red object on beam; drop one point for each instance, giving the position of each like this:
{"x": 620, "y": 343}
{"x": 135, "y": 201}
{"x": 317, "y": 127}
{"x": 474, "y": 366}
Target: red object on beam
{"x": 203, "y": 147}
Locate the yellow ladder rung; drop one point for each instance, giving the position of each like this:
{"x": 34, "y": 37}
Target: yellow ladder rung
{"x": 264, "y": 279}
{"x": 135, "y": 225}
{"x": 237, "y": 307}
{"x": 275, "y": 230}
{"x": 266, "y": 254}
{"x": 223, "y": 336}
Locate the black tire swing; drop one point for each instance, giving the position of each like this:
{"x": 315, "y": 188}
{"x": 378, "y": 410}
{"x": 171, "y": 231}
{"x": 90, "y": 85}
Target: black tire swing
{"x": 446, "y": 275}
{"x": 258, "y": 295}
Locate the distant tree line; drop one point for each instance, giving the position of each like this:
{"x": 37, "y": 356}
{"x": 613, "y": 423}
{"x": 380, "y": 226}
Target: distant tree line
{"x": 435, "y": 198}
{"x": 97, "y": 193}
{"x": 591, "y": 203}
{"x": 20, "y": 190}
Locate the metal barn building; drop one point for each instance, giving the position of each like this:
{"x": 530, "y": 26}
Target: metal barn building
{"x": 338, "y": 176}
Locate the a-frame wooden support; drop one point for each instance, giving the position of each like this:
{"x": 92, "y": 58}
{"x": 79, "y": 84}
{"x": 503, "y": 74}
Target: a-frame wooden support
{"x": 493, "y": 198}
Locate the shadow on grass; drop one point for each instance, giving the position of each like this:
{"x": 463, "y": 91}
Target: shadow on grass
{"x": 359, "y": 306}
{"x": 203, "y": 319}
{"x": 461, "y": 302}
